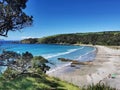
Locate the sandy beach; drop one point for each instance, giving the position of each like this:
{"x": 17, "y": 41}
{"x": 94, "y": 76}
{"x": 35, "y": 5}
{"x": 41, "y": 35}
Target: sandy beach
{"x": 105, "y": 69}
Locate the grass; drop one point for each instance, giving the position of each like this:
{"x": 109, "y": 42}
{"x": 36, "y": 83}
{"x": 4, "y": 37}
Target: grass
{"x": 45, "y": 83}
{"x": 30, "y": 83}
{"x": 98, "y": 87}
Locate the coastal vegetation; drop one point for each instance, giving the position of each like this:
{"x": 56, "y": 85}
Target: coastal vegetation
{"x": 98, "y": 87}
{"x": 27, "y": 72}
{"x": 99, "y": 38}
{"x": 12, "y": 16}
{"x": 22, "y": 64}
{"x": 36, "y": 83}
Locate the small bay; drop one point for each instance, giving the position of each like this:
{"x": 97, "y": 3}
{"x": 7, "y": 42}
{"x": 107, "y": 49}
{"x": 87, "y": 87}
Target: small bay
{"x": 52, "y": 52}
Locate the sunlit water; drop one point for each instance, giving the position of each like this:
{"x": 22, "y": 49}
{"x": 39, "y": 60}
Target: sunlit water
{"x": 52, "y": 52}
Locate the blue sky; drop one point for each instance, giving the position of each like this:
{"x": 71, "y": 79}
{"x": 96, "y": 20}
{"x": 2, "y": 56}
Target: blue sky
{"x": 69, "y": 16}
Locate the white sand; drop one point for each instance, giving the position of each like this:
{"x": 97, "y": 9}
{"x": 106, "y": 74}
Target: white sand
{"x": 106, "y": 62}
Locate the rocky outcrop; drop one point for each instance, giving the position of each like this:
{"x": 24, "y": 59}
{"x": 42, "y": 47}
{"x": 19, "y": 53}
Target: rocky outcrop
{"x": 65, "y": 60}
{"x": 82, "y": 63}
{"x": 75, "y": 62}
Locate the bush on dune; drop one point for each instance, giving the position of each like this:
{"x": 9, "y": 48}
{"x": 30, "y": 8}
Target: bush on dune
{"x": 98, "y": 86}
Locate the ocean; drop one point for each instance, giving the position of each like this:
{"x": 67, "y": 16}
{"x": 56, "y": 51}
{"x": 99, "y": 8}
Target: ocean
{"x": 52, "y": 52}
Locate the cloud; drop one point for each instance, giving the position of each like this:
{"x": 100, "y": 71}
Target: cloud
{"x": 26, "y": 37}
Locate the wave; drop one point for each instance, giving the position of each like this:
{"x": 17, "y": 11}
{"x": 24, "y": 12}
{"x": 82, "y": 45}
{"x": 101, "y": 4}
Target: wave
{"x": 58, "y": 68}
{"x": 47, "y": 56}
{"x": 67, "y": 64}
{"x": 85, "y": 55}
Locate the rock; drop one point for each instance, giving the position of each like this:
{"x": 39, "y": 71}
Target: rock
{"x": 82, "y": 63}
{"x": 75, "y": 62}
{"x": 64, "y": 60}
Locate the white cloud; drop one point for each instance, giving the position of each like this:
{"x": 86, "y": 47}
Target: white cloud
{"x": 26, "y": 37}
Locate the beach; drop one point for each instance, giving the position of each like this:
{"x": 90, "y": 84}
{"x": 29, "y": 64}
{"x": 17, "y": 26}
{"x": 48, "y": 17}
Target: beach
{"x": 104, "y": 66}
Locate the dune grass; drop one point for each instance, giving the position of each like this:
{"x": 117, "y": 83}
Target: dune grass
{"x": 45, "y": 83}
{"x": 98, "y": 87}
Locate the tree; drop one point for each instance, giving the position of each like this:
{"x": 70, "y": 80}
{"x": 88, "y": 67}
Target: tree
{"x": 12, "y": 17}
{"x": 94, "y": 38}
{"x": 25, "y": 63}
{"x": 27, "y": 56}
{"x": 9, "y": 55}
{"x": 39, "y": 63}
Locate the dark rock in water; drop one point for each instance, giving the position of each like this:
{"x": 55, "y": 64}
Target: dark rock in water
{"x": 64, "y": 60}
{"x": 73, "y": 65}
{"x": 75, "y": 62}
{"x": 82, "y": 63}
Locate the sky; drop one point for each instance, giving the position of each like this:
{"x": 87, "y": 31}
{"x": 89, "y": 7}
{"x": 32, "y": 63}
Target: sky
{"x": 69, "y": 16}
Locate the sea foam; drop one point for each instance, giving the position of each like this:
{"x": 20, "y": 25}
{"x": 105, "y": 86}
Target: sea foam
{"x": 68, "y": 64}
{"x": 48, "y": 56}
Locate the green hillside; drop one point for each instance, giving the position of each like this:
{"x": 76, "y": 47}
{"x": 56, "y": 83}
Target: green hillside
{"x": 99, "y": 38}
{"x": 35, "y": 83}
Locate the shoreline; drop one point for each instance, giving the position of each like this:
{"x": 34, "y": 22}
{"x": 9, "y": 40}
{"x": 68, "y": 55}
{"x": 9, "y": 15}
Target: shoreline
{"x": 105, "y": 64}
{"x": 68, "y": 65}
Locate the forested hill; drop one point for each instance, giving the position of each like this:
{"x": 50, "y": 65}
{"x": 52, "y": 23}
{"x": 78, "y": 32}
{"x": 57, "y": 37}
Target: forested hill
{"x": 99, "y": 38}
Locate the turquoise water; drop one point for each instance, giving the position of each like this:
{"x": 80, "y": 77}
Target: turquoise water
{"x": 52, "y": 51}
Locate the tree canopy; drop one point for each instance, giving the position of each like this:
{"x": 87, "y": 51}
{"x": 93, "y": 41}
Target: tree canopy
{"x": 99, "y": 38}
{"x": 12, "y": 17}
{"x": 25, "y": 63}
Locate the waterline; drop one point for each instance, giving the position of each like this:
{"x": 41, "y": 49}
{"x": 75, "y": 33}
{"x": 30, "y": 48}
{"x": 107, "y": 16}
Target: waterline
{"x": 48, "y": 56}
{"x": 93, "y": 52}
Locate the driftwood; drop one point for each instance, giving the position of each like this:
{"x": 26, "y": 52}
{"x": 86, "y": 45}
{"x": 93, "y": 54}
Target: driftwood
{"x": 76, "y": 62}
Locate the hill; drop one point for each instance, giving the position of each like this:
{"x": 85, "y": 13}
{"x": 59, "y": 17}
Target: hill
{"x": 99, "y": 38}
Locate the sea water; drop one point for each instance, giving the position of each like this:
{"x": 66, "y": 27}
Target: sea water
{"x": 52, "y": 52}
